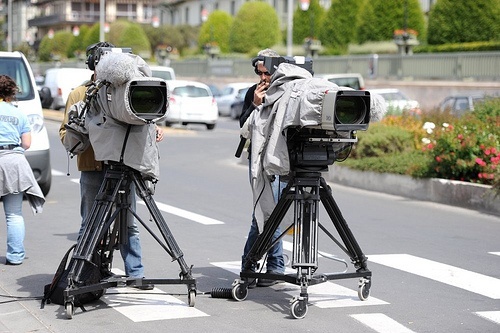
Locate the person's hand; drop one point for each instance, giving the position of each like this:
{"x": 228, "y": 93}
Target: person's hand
{"x": 260, "y": 92}
{"x": 159, "y": 134}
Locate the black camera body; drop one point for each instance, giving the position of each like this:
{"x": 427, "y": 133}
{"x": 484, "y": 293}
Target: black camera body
{"x": 272, "y": 63}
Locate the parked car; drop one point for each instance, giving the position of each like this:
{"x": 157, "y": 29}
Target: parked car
{"x": 191, "y": 102}
{"x": 44, "y": 92}
{"x": 61, "y": 81}
{"x": 163, "y": 72}
{"x": 351, "y": 80}
{"x": 458, "y": 105}
{"x": 228, "y": 96}
{"x": 215, "y": 90}
{"x": 15, "y": 65}
{"x": 397, "y": 102}
{"x": 237, "y": 106}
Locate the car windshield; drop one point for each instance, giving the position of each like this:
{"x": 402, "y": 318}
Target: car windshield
{"x": 165, "y": 75}
{"x": 190, "y": 91}
{"x": 15, "y": 68}
{"x": 350, "y": 82}
{"x": 394, "y": 96}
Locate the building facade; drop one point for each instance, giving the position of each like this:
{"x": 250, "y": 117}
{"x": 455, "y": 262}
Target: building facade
{"x": 32, "y": 20}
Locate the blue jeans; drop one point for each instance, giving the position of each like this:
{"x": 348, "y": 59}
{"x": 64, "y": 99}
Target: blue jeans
{"x": 13, "y": 207}
{"x": 90, "y": 183}
{"x": 275, "y": 261}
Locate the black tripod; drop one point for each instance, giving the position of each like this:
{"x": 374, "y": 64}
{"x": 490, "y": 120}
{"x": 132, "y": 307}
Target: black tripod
{"x": 305, "y": 190}
{"x": 106, "y": 228}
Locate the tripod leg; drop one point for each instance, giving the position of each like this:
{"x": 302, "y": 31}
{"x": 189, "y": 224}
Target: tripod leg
{"x": 174, "y": 249}
{"x": 96, "y": 224}
{"x": 354, "y": 250}
{"x": 263, "y": 242}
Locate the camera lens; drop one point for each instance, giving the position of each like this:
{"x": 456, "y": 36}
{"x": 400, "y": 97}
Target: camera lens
{"x": 148, "y": 98}
{"x": 350, "y": 110}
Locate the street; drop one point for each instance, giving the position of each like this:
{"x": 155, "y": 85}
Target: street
{"x": 435, "y": 267}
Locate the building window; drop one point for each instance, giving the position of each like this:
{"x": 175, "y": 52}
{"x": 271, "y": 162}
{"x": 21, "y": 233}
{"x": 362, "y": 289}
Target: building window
{"x": 126, "y": 10}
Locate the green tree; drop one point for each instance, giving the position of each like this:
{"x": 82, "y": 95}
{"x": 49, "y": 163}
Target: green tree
{"x": 76, "y": 47}
{"x": 92, "y": 35}
{"x": 116, "y": 31}
{"x": 190, "y": 37}
{"x": 464, "y": 21}
{"x": 380, "y": 18}
{"x": 308, "y": 23}
{"x": 134, "y": 37}
{"x": 340, "y": 24}
{"x": 165, "y": 35}
{"x": 55, "y": 48}
{"x": 216, "y": 30}
{"x": 256, "y": 25}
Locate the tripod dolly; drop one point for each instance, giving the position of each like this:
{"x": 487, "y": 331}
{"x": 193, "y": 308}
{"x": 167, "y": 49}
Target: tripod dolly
{"x": 106, "y": 228}
{"x": 305, "y": 190}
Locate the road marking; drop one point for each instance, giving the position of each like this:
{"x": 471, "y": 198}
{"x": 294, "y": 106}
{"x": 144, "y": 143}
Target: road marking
{"x": 148, "y": 305}
{"x": 381, "y": 323}
{"x": 494, "y": 316}
{"x": 57, "y": 173}
{"x": 167, "y": 208}
{"x": 184, "y": 213}
{"x": 454, "y": 276}
{"x": 322, "y": 295}
{"x": 495, "y": 253}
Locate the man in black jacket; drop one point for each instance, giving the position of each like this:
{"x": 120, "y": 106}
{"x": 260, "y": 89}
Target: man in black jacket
{"x": 254, "y": 97}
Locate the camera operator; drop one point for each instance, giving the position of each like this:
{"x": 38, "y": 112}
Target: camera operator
{"x": 92, "y": 176}
{"x": 254, "y": 97}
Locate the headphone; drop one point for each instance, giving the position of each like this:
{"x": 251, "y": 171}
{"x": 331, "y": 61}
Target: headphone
{"x": 92, "y": 61}
{"x": 256, "y": 59}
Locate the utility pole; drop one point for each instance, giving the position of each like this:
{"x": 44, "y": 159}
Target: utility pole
{"x": 9, "y": 26}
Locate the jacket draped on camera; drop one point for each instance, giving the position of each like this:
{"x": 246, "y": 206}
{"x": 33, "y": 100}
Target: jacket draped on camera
{"x": 294, "y": 98}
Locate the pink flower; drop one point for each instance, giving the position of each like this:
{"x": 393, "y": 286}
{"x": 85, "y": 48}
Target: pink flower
{"x": 480, "y": 162}
{"x": 487, "y": 152}
{"x": 438, "y": 159}
{"x": 460, "y": 137}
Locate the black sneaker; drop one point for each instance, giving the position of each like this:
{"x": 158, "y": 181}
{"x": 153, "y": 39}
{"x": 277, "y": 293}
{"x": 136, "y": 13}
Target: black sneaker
{"x": 145, "y": 287}
{"x": 268, "y": 282}
{"x": 252, "y": 283}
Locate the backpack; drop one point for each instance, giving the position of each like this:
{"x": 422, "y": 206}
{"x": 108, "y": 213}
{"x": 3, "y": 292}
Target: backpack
{"x": 91, "y": 274}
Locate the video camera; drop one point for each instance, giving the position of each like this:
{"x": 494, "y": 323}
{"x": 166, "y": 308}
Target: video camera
{"x": 320, "y": 119}
{"x": 143, "y": 98}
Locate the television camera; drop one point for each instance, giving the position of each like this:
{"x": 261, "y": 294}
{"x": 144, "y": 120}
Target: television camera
{"x": 305, "y": 125}
{"x": 118, "y": 117}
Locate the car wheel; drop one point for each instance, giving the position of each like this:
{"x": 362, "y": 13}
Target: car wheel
{"x": 210, "y": 126}
{"x": 45, "y": 187}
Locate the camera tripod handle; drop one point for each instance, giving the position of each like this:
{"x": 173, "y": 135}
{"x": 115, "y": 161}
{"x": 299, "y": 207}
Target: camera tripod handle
{"x": 239, "y": 150}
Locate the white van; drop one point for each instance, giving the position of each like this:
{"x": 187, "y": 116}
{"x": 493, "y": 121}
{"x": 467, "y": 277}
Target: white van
{"x": 15, "y": 65}
{"x": 163, "y": 72}
{"x": 61, "y": 81}
{"x": 351, "y": 80}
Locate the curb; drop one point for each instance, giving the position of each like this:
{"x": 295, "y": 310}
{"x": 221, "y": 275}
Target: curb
{"x": 450, "y": 192}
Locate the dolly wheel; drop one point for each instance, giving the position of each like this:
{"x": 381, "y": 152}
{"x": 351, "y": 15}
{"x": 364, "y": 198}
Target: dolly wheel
{"x": 298, "y": 309}
{"x": 191, "y": 298}
{"x": 364, "y": 289}
{"x": 239, "y": 292}
{"x": 70, "y": 310}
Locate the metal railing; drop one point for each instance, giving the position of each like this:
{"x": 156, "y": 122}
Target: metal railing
{"x": 479, "y": 66}
{"x": 476, "y": 66}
